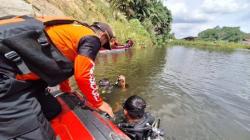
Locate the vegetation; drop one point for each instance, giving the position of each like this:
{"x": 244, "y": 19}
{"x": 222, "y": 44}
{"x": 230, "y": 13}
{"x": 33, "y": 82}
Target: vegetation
{"x": 230, "y": 34}
{"x": 147, "y": 22}
{"x": 99, "y": 10}
{"x": 214, "y": 44}
{"x": 155, "y": 17}
{"x": 225, "y": 37}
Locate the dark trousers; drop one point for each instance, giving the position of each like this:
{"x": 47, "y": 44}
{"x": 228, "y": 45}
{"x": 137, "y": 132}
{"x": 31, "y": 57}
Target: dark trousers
{"x": 21, "y": 117}
{"x": 43, "y": 132}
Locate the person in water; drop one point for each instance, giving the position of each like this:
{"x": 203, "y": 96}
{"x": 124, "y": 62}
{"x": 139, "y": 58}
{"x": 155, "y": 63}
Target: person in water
{"x": 121, "y": 82}
{"x": 106, "y": 86}
{"x": 136, "y": 122}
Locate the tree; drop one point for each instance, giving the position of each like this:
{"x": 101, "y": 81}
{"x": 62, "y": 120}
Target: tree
{"x": 231, "y": 34}
{"x": 152, "y": 14}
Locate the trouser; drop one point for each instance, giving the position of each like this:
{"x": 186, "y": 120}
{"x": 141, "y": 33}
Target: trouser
{"x": 21, "y": 117}
{"x": 43, "y": 132}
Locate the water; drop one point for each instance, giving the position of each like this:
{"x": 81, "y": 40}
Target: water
{"x": 198, "y": 94}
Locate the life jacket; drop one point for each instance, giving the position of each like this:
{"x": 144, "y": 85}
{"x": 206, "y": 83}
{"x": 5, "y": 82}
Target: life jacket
{"x": 25, "y": 44}
{"x": 140, "y": 130}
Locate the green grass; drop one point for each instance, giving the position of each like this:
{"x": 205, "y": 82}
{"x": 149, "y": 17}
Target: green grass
{"x": 209, "y": 44}
{"x": 100, "y": 10}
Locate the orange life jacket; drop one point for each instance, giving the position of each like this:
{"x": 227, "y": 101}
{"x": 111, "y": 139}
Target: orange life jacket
{"x": 66, "y": 37}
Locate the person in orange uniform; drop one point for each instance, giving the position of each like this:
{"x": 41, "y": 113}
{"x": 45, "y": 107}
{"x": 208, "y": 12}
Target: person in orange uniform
{"x": 20, "y": 112}
{"x": 81, "y": 44}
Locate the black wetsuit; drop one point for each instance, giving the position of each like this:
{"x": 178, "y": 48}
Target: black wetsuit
{"x": 139, "y": 130}
{"x": 107, "y": 88}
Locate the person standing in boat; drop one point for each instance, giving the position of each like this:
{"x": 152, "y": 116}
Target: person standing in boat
{"x": 26, "y": 71}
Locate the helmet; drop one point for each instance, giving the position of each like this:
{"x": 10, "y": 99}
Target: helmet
{"x": 105, "y": 28}
{"x": 104, "y": 82}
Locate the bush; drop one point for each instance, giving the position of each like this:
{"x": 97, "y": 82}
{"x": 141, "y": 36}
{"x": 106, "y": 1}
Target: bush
{"x": 132, "y": 29}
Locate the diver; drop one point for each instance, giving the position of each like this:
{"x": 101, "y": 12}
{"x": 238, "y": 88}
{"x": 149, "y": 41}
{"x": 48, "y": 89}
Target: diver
{"x": 138, "y": 124}
{"x": 105, "y": 86}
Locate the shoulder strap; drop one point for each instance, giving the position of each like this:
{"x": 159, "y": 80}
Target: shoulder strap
{"x": 58, "y": 22}
{"x": 51, "y": 21}
{"x": 14, "y": 57}
{"x": 7, "y": 17}
{"x": 9, "y": 54}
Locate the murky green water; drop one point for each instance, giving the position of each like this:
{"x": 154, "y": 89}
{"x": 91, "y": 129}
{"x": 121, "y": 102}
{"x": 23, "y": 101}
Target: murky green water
{"x": 198, "y": 94}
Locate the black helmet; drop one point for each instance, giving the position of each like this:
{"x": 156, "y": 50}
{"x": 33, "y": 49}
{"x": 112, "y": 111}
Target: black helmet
{"x": 105, "y": 28}
{"x": 104, "y": 82}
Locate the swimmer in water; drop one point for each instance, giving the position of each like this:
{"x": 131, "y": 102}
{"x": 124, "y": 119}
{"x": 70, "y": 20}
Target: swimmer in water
{"x": 105, "y": 86}
{"x": 136, "y": 122}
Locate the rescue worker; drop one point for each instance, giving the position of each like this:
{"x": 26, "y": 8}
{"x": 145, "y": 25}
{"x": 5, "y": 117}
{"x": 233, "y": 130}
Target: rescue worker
{"x": 20, "y": 112}
{"x": 81, "y": 44}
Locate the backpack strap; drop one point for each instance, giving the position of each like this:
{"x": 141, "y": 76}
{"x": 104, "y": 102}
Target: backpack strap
{"x": 7, "y": 17}
{"x": 11, "y": 55}
{"x": 15, "y": 58}
{"x": 51, "y": 21}
{"x": 58, "y": 22}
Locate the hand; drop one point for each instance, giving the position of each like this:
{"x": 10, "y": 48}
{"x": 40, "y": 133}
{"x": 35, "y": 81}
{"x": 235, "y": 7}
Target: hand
{"x": 105, "y": 107}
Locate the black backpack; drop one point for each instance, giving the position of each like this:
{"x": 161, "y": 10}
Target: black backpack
{"x": 24, "y": 43}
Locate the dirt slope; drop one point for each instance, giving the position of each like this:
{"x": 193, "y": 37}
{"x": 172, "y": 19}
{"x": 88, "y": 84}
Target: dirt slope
{"x": 28, "y": 7}
{"x": 15, "y": 7}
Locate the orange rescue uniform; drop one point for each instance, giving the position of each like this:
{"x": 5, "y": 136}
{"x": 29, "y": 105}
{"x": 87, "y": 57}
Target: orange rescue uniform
{"x": 67, "y": 39}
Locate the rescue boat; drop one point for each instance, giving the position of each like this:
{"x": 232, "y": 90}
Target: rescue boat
{"x": 114, "y": 50}
{"x": 79, "y": 121}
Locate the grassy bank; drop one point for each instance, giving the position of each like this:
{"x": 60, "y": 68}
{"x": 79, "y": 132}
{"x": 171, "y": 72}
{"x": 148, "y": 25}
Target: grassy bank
{"x": 217, "y": 44}
{"x": 90, "y": 11}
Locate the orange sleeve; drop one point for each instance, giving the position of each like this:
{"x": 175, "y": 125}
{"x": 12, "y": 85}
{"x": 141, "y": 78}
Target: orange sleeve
{"x": 84, "y": 75}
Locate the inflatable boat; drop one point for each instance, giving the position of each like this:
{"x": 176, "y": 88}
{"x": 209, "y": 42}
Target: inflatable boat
{"x": 79, "y": 121}
{"x": 114, "y": 50}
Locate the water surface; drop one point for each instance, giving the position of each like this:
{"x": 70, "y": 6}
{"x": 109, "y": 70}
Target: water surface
{"x": 198, "y": 94}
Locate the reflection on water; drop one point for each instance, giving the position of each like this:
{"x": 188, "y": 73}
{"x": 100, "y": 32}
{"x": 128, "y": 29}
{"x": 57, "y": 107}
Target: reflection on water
{"x": 198, "y": 94}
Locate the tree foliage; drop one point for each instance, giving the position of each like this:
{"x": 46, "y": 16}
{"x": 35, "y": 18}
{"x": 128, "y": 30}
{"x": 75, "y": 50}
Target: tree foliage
{"x": 155, "y": 17}
{"x": 230, "y": 34}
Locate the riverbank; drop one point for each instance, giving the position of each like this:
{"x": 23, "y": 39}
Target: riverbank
{"x": 100, "y": 10}
{"x": 206, "y": 44}
{"x": 87, "y": 11}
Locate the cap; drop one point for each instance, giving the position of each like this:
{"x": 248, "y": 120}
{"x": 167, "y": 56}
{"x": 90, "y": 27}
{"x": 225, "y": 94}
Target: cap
{"x": 105, "y": 28}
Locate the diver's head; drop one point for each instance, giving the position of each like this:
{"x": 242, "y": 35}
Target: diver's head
{"x": 104, "y": 82}
{"x": 134, "y": 108}
{"x": 121, "y": 81}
